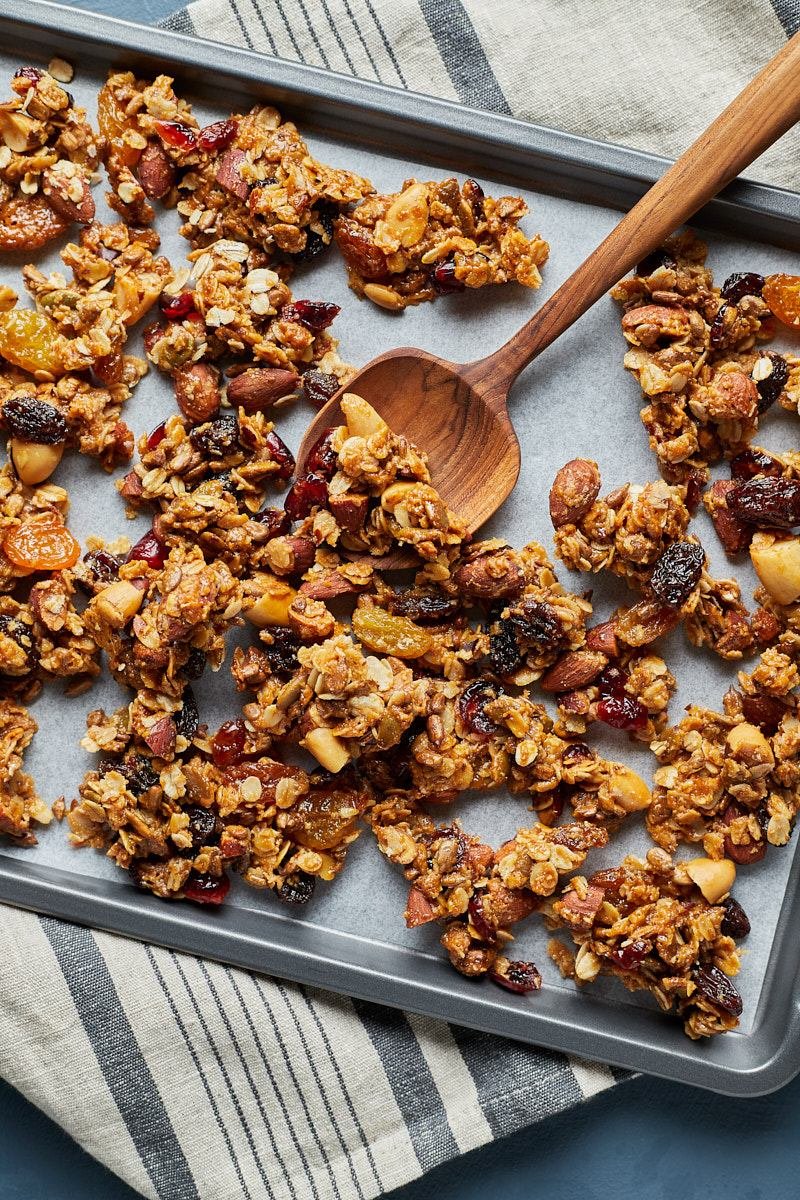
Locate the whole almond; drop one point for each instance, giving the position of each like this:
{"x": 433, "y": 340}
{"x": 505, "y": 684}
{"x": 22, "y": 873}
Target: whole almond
{"x": 155, "y": 172}
{"x": 259, "y": 388}
{"x": 197, "y": 391}
{"x": 574, "y": 670}
{"x": 327, "y": 584}
{"x": 228, "y": 173}
{"x": 493, "y": 576}
{"x": 603, "y": 638}
{"x": 574, "y": 491}
{"x": 57, "y": 187}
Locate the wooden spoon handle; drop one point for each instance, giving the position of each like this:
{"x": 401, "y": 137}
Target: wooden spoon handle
{"x": 767, "y": 107}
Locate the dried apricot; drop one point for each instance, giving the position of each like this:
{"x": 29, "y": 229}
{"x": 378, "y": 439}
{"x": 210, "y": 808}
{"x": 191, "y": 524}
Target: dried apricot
{"x": 28, "y": 223}
{"x": 30, "y": 340}
{"x": 42, "y": 544}
{"x": 782, "y": 294}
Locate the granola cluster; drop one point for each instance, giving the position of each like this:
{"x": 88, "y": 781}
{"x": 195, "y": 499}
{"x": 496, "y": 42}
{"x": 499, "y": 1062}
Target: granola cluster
{"x": 21, "y": 808}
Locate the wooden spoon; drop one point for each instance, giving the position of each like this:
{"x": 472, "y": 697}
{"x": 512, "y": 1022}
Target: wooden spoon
{"x": 457, "y": 414}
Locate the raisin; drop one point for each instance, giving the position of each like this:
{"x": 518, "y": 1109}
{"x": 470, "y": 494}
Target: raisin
{"x": 655, "y": 261}
{"x": 735, "y": 923}
{"x": 322, "y": 458}
{"x": 19, "y": 632}
{"x": 315, "y": 315}
{"x": 203, "y": 825}
{"x": 504, "y": 652}
{"x": 444, "y": 278}
{"x": 103, "y": 565}
{"x": 765, "y": 711}
{"x": 479, "y": 921}
{"x": 715, "y": 986}
{"x": 175, "y": 308}
{"x": 217, "y": 438}
{"x": 206, "y": 888}
{"x": 310, "y": 491}
{"x": 195, "y": 664}
{"x": 742, "y": 283}
{"x": 767, "y": 501}
{"x": 298, "y": 888}
{"x": 471, "y": 708}
{"x": 424, "y": 608}
{"x": 136, "y": 769}
{"x": 33, "y": 420}
{"x": 157, "y": 436}
{"x": 630, "y": 956}
{"x": 277, "y": 521}
{"x": 770, "y": 388}
{"x": 317, "y": 242}
{"x": 149, "y": 549}
{"x": 281, "y": 454}
{"x": 538, "y": 623}
{"x": 754, "y": 462}
{"x": 176, "y": 134}
{"x": 319, "y": 387}
{"x": 281, "y": 653}
{"x": 718, "y": 332}
{"x": 217, "y": 136}
{"x": 517, "y": 977}
{"x": 677, "y": 573}
{"x": 187, "y": 719}
{"x": 227, "y": 747}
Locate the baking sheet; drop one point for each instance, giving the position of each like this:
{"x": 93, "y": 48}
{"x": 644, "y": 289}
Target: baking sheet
{"x": 576, "y": 400}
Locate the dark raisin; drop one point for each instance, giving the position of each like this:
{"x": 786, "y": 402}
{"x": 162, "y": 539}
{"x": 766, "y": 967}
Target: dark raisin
{"x": 537, "y": 622}
{"x": 622, "y": 712}
{"x": 176, "y": 134}
{"x": 136, "y": 769}
{"x": 157, "y": 436}
{"x": 471, "y": 707}
{"x": 202, "y": 825}
{"x": 718, "y": 332}
{"x": 103, "y": 565}
{"x": 227, "y": 747}
{"x": 735, "y": 923}
{"x": 715, "y": 986}
{"x": 310, "y": 491}
{"x": 317, "y": 242}
{"x": 34, "y": 421}
{"x": 694, "y": 489}
{"x": 225, "y": 480}
{"x": 750, "y": 463}
{"x": 276, "y": 520}
{"x": 770, "y": 388}
{"x": 767, "y": 501}
{"x": 187, "y": 719}
{"x": 281, "y": 653}
{"x": 479, "y": 921}
{"x": 677, "y": 573}
{"x": 517, "y": 977}
{"x": 655, "y": 262}
{"x": 217, "y": 136}
{"x": 577, "y": 752}
{"x": 217, "y": 438}
{"x": 424, "y": 608}
{"x": 319, "y": 386}
{"x": 297, "y": 889}
{"x": 474, "y": 195}
{"x": 175, "y": 308}
{"x": 742, "y": 283}
{"x": 315, "y": 315}
{"x": 195, "y": 664}
{"x": 630, "y": 956}
{"x": 149, "y": 549}
{"x": 206, "y": 888}
{"x": 504, "y": 652}
{"x": 281, "y": 454}
{"x": 20, "y": 633}
{"x": 444, "y": 277}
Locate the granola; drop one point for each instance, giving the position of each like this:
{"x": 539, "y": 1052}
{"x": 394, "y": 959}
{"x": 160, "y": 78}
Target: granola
{"x": 21, "y": 808}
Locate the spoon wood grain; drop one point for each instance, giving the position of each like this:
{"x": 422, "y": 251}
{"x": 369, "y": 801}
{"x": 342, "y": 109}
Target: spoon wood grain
{"x": 457, "y": 413}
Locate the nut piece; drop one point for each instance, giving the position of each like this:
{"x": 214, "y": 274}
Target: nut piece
{"x": 384, "y": 297}
{"x": 350, "y": 510}
{"x": 714, "y": 878}
{"x": 197, "y": 391}
{"x": 747, "y": 743}
{"x": 271, "y": 608}
{"x": 574, "y": 670}
{"x": 628, "y": 789}
{"x": 118, "y": 602}
{"x": 397, "y": 494}
{"x": 362, "y": 419}
{"x": 68, "y": 193}
{"x": 60, "y": 69}
{"x": 407, "y": 217}
{"x": 777, "y": 563}
{"x": 329, "y": 751}
{"x": 258, "y": 389}
{"x": 34, "y": 462}
{"x": 155, "y": 172}
{"x": 574, "y": 491}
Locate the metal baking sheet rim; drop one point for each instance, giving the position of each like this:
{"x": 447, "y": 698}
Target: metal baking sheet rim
{"x": 739, "y": 1065}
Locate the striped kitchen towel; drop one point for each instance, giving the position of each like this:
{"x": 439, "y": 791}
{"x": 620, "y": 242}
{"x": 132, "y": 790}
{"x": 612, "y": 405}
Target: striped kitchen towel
{"x": 194, "y": 1081}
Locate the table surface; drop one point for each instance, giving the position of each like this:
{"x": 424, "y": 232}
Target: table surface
{"x": 646, "y": 1139}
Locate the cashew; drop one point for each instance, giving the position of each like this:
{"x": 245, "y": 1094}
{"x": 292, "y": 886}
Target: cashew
{"x": 747, "y": 743}
{"x": 715, "y": 879}
{"x": 118, "y": 602}
{"x": 776, "y": 559}
{"x": 272, "y": 607}
{"x": 33, "y": 461}
{"x": 328, "y": 750}
{"x": 628, "y": 789}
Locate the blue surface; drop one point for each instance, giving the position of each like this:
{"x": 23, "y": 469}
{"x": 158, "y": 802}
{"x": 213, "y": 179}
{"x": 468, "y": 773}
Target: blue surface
{"x": 647, "y": 1139}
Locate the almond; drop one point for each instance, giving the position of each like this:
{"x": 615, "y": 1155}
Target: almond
{"x": 493, "y": 576}
{"x": 579, "y": 911}
{"x": 161, "y": 737}
{"x": 604, "y": 639}
{"x": 419, "y": 910}
{"x": 733, "y": 533}
{"x": 290, "y": 554}
{"x": 327, "y": 584}
{"x": 131, "y": 486}
{"x": 228, "y": 175}
{"x": 574, "y": 491}
{"x": 574, "y": 670}
{"x": 60, "y": 191}
{"x": 197, "y": 391}
{"x": 349, "y": 510}
{"x": 155, "y": 172}
{"x": 258, "y": 389}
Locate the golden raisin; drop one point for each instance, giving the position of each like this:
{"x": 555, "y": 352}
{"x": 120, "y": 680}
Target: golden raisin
{"x": 782, "y": 294}
{"x": 30, "y": 340}
{"x": 382, "y": 631}
{"x": 42, "y": 543}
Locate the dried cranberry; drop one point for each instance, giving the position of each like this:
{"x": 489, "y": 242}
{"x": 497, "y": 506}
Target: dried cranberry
{"x": 444, "y": 277}
{"x": 718, "y": 332}
{"x": 281, "y": 454}
{"x": 480, "y": 923}
{"x": 715, "y": 986}
{"x": 322, "y": 458}
{"x": 217, "y": 438}
{"x": 694, "y": 488}
{"x": 277, "y": 521}
{"x": 206, "y": 888}
{"x": 31, "y": 73}
{"x": 202, "y": 825}
{"x": 517, "y": 977}
{"x": 770, "y": 388}
{"x": 176, "y": 134}
{"x": 297, "y": 889}
{"x": 754, "y": 462}
{"x": 175, "y": 308}
{"x": 103, "y": 565}
{"x": 157, "y": 436}
{"x": 768, "y": 501}
{"x": 281, "y": 653}
{"x": 315, "y": 315}
{"x": 505, "y": 655}
{"x": 735, "y": 923}
{"x": 217, "y": 136}
{"x": 474, "y": 195}
{"x": 677, "y": 573}
{"x": 319, "y": 387}
{"x": 227, "y": 747}
{"x": 655, "y": 262}
{"x": 471, "y": 705}
{"x": 742, "y": 283}
{"x": 149, "y": 549}
{"x": 310, "y": 491}
{"x": 425, "y": 608}
{"x": 317, "y": 242}
{"x": 187, "y": 719}
{"x": 34, "y": 421}
{"x": 629, "y": 956}
{"x": 622, "y": 712}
